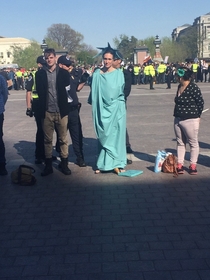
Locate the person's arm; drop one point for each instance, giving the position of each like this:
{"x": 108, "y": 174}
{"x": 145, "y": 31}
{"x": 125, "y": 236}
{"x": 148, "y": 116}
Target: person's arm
{"x": 39, "y": 81}
{"x": 199, "y": 100}
{"x": 4, "y": 89}
{"x": 29, "y": 87}
{"x": 128, "y": 82}
{"x": 83, "y": 81}
{"x": 7, "y": 76}
{"x": 28, "y": 99}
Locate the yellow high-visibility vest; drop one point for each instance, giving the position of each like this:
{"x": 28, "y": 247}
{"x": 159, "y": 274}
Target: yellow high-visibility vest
{"x": 34, "y": 93}
{"x": 195, "y": 67}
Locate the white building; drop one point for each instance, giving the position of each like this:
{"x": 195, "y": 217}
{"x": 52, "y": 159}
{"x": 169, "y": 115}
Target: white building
{"x": 203, "y": 29}
{"x": 202, "y": 25}
{"x": 6, "y": 50}
{"x": 176, "y": 31}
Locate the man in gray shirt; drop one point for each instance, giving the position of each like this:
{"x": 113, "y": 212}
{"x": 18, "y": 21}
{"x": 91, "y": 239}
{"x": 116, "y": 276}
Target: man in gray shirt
{"x": 51, "y": 84}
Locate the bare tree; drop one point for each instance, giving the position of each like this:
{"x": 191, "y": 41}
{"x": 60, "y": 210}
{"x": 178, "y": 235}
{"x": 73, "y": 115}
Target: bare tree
{"x": 65, "y": 37}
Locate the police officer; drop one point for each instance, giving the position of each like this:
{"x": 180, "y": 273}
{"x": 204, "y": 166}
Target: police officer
{"x": 195, "y": 68}
{"x": 19, "y": 79}
{"x": 77, "y": 82}
{"x": 168, "y": 75}
{"x": 32, "y": 102}
{"x": 151, "y": 71}
{"x": 146, "y": 73}
{"x": 136, "y": 71}
{"x": 161, "y": 73}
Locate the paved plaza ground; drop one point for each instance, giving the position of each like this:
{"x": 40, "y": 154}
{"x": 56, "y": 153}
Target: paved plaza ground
{"x": 106, "y": 227}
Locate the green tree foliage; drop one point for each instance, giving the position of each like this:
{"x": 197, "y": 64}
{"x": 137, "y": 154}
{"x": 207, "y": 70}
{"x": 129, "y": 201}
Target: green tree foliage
{"x": 86, "y": 55}
{"x": 51, "y": 44}
{"x": 126, "y": 46}
{"x": 174, "y": 50}
{"x": 185, "y": 47}
{"x": 26, "y": 57}
{"x": 65, "y": 37}
{"x": 149, "y": 43}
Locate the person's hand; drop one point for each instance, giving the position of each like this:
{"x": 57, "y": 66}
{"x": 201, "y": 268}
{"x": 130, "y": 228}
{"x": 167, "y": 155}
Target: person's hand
{"x": 29, "y": 112}
{"x": 84, "y": 77}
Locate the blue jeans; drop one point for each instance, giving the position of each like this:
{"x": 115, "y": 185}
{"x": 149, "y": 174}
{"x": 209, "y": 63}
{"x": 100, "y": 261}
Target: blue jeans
{"x": 2, "y": 147}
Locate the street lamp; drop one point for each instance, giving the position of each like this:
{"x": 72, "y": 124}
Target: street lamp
{"x": 157, "y": 42}
{"x": 157, "y": 56}
{"x": 44, "y": 46}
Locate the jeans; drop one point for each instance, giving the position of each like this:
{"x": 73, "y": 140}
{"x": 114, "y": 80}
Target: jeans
{"x": 187, "y": 131}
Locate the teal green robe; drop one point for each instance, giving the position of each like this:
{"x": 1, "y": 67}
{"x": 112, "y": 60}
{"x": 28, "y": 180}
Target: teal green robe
{"x": 109, "y": 118}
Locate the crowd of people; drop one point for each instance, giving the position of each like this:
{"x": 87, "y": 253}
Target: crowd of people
{"x": 51, "y": 97}
{"x": 165, "y": 73}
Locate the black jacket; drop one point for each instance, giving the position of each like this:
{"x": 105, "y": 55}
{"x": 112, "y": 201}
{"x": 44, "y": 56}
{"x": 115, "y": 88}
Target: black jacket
{"x": 190, "y": 103}
{"x": 62, "y": 80}
{"x": 128, "y": 82}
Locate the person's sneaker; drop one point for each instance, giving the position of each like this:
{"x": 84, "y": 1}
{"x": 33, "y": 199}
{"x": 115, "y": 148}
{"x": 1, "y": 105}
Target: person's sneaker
{"x": 129, "y": 150}
{"x": 180, "y": 169}
{"x": 192, "y": 169}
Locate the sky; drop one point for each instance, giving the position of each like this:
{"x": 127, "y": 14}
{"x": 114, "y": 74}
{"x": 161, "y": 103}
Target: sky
{"x": 99, "y": 21}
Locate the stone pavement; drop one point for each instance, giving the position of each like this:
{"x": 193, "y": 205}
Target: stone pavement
{"x": 106, "y": 227}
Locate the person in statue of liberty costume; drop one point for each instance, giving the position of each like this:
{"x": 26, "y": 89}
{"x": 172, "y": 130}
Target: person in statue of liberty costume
{"x": 109, "y": 114}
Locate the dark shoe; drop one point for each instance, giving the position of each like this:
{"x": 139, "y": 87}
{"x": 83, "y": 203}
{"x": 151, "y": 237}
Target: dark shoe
{"x": 192, "y": 169}
{"x": 129, "y": 150}
{"x": 39, "y": 160}
{"x": 64, "y": 166}
{"x": 151, "y": 88}
{"x": 3, "y": 170}
{"x": 47, "y": 171}
{"x": 80, "y": 162}
{"x": 129, "y": 161}
{"x": 54, "y": 158}
{"x": 180, "y": 169}
{"x": 48, "y": 167}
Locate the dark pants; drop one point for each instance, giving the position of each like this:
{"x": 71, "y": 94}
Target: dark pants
{"x": 146, "y": 79}
{"x": 195, "y": 76}
{"x": 151, "y": 79}
{"x": 168, "y": 80}
{"x": 136, "y": 79}
{"x": 20, "y": 83}
{"x": 2, "y": 147}
{"x": 39, "y": 150}
{"x": 205, "y": 73}
{"x": 161, "y": 78}
{"x": 127, "y": 139}
{"x": 75, "y": 130}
